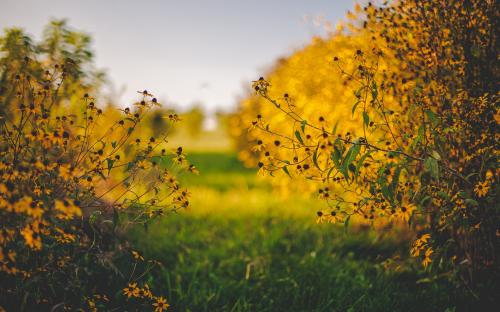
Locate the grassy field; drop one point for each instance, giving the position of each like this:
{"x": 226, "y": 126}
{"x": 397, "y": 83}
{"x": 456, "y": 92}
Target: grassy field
{"x": 243, "y": 248}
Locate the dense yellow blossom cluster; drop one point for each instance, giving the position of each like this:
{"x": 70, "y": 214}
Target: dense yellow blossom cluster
{"x": 72, "y": 181}
{"x": 395, "y": 119}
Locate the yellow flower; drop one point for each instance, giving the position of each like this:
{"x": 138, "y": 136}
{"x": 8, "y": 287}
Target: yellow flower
{"x": 33, "y": 240}
{"x": 259, "y": 146}
{"x": 333, "y": 217}
{"x": 146, "y": 292}
{"x": 460, "y": 203}
{"x": 67, "y": 209}
{"x": 63, "y": 237}
{"x": 193, "y": 169}
{"x": 12, "y": 256}
{"x": 65, "y": 172}
{"x": 407, "y": 211}
{"x": 91, "y": 304}
{"x": 322, "y": 217}
{"x": 481, "y": 189}
{"x": 161, "y": 304}
{"x": 23, "y": 205}
{"x": 172, "y": 117}
{"x": 36, "y": 211}
{"x": 131, "y": 290}
{"x": 262, "y": 169}
{"x": 261, "y": 85}
{"x": 142, "y": 164}
{"x": 137, "y": 256}
{"x": 55, "y": 137}
{"x": 37, "y": 191}
{"x": 427, "y": 257}
{"x": 419, "y": 244}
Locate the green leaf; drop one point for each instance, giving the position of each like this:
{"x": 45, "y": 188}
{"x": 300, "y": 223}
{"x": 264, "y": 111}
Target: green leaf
{"x": 315, "y": 157}
{"x": 130, "y": 165}
{"x": 443, "y": 195}
{"x": 344, "y": 173}
{"x": 357, "y": 93}
{"x": 471, "y": 202}
{"x": 329, "y": 173}
{"x": 116, "y": 218}
{"x": 93, "y": 217}
{"x": 285, "y": 169}
{"x": 336, "y": 156}
{"x": 386, "y": 192}
{"x": 355, "y": 106}
{"x": 346, "y": 224}
{"x": 425, "y": 200}
{"x": 471, "y": 175}
{"x": 303, "y": 125}
{"x": 432, "y": 117}
{"x": 432, "y": 166}
{"x": 334, "y": 130}
{"x": 337, "y": 153}
{"x": 110, "y": 164}
{"x": 297, "y": 135}
{"x": 436, "y": 155}
{"x": 374, "y": 90}
{"x": 351, "y": 154}
{"x": 366, "y": 119}
{"x": 420, "y": 135}
{"x": 395, "y": 179}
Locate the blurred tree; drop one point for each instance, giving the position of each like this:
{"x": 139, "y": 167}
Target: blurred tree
{"x": 61, "y": 48}
{"x": 194, "y": 119}
{"x": 158, "y": 124}
{"x": 223, "y": 119}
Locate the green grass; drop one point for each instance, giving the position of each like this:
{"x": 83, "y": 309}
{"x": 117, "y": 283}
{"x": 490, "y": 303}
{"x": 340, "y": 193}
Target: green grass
{"x": 221, "y": 172}
{"x": 243, "y": 248}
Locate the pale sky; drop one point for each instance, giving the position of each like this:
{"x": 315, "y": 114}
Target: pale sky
{"x": 183, "y": 51}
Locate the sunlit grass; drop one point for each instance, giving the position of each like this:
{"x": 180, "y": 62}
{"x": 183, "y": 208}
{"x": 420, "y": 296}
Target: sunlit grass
{"x": 215, "y": 140}
{"x": 241, "y": 247}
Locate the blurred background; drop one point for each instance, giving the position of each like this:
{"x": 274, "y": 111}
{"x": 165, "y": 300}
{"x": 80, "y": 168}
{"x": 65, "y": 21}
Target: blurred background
{"x": 247, "y": 242}
{"x": 188, "y": 53}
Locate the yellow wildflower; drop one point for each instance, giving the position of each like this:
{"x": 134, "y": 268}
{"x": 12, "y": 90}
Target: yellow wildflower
{"x": 131, "y": 290}
{"x": 146, "y": 292}
{"x": 67, "y": 209}
{"x": 482, "y": 188}
{"x": 333, "y": 217}
{"x": 33, "y": 240}
{"x": 427, "y": 257}
{"x": 160, "y": 305}
{"x": 137, "y": 256}
{"x": 322, "y": 217}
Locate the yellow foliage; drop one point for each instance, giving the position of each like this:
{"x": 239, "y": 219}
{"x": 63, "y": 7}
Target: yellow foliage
{"x": 394, "y": 119}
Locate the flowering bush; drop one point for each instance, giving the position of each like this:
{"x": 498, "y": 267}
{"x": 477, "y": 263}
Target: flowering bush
{"x": 421, "y": 146}
{"x": 73, "y": 180}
